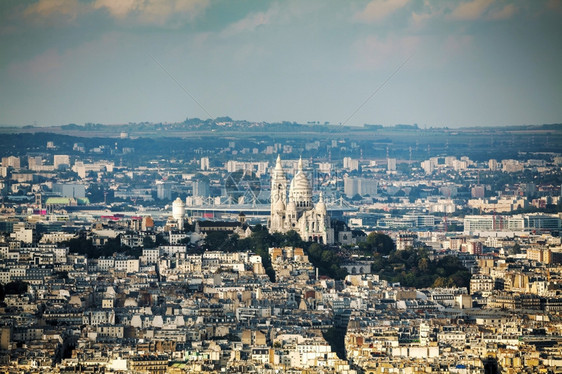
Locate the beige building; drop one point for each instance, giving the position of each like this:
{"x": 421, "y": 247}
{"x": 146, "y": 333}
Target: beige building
{"x": 298, "y": 213}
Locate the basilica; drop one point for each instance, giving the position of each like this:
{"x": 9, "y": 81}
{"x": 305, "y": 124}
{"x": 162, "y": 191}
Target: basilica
{"x": 298, "y": 213}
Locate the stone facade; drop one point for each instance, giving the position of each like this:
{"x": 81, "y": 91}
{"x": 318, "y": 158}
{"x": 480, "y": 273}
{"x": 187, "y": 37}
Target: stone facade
{"x": 298, "y": 213}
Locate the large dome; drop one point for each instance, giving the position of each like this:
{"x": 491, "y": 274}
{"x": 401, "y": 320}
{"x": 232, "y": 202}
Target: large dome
{"x": 300, "y": 183}
{"x": 300, "y": 191}
{"x": 291, "y": 208}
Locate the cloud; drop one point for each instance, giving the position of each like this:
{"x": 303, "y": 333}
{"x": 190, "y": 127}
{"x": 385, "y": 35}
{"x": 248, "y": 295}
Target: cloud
{"x": 252, "y": 21}
{"x": 505, "y": 13}
{"x": 118, "y": 9}
{"x": 471, "y": 10}
{"x": 429, "y": 10}
{"x": 378, "y": 10}
{"x": 45, "y": 11}
{"x": 157, "y": 12}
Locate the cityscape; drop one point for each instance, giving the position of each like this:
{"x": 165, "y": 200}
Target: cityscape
{"x": 248, "y": 253}
{"x": 280, "y": 187}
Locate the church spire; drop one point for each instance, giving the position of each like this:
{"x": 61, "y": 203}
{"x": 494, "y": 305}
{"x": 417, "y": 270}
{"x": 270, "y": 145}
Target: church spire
{"x": 278, "y": 163}
{"x": 299, "y": 167}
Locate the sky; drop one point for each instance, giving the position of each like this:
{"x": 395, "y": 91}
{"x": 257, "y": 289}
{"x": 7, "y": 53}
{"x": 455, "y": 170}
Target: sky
{"x": 428, "y": 62}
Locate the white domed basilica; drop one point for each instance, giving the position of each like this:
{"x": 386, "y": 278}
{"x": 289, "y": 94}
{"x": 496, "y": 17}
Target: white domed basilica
{"x": 310, "y": 221}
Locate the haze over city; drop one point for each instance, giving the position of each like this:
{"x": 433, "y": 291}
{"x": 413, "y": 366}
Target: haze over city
{"x": 317, "y": 186}
{"x": 434, "y": 63}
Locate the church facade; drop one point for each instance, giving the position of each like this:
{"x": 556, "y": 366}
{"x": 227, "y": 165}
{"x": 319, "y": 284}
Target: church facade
{"x": 297, "y": 211}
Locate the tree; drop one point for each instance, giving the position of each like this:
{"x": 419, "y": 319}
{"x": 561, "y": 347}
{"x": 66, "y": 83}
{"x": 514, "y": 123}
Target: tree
{"x": 215, "y": 240}
{"x": 95, "y": 193}
{"x": 293, "y": 239}
{"x": 423, "y": 264}
{"x": 161, "y": 239}
{"x": 443, "y": 282}
{"x": 147, "y": 242}
{"x": 17, "y": 287}
{"x": 378, "y": 242}
{"x": 515, "y": 250}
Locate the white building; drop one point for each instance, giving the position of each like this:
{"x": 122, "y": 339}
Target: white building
{"x": 61, "y": 161}
{"x": 311, "y": 222}
{"x": 204, "y": 163}
{"x": 361, "y": 186}
{"x": 178, "y": 212}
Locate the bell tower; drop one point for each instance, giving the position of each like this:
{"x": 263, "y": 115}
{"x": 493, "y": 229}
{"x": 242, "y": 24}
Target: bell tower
{"x": 278, "y": 197}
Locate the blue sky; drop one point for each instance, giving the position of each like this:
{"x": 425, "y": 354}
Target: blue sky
{"x": 469, "y": 63}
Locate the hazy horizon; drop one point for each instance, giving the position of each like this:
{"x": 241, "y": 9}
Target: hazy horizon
{"x": 435, "y": 64}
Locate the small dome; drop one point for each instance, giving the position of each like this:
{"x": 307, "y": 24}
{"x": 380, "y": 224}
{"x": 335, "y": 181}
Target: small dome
{"x": 292, "y": 207}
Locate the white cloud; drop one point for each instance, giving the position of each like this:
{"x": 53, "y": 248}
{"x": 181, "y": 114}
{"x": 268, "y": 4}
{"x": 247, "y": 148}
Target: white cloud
{"x": 429, "y": 10}
{"x": 252, "y": 21}
{"x": 471, "y": 10}
{"x": 156, "y": 12}
{"x": 378, "y": 10}
{"x": 45, "y": 11}
{"x": 504, "y": 13}
{"x": 118, "y": 9}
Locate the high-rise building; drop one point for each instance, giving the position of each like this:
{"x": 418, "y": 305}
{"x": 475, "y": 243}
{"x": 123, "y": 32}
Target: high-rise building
{"x": 60, "y": 161}
{"x": 12, "y": 161}
{"x": 310, "y": 221}
{"x": 73, "y": 190}
{"x": 350, "y": 187}
{"x": 391, "y": 164}
{"x": 359, "y": 186}
{"x": 350, "y": 164}
{"x": 163, "y": 190}
{"x": 204, "y": 163}
{"x": 200, "y": 188}
{"x": 428, "y": 166}
{"x": 477, "y": 191}
{"x": 34, "y": 162}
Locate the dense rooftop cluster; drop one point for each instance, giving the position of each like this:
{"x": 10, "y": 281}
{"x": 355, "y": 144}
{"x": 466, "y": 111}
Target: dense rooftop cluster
{"x": 116, "y": 259}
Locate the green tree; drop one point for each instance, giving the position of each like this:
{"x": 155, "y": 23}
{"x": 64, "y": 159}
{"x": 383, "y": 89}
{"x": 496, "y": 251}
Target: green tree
{"x": 147, "y": 242}
{"x": 423, "y": 264}
{"x": 378, "y": 242}
{"x": 17, "y": 287}
{"x": 515, "y": 250}
{"x": 161, "y": 239}
{"x": 216, "y": 240}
